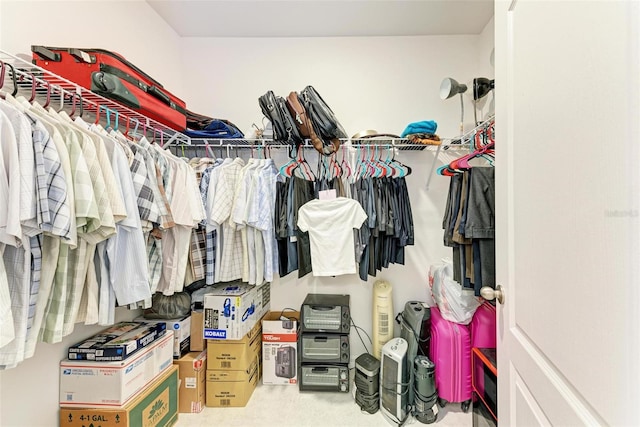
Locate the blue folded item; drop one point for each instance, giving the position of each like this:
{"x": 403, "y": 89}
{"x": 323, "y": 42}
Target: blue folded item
{"x": 425, "y": 126}
{"x": 216, "y": 129}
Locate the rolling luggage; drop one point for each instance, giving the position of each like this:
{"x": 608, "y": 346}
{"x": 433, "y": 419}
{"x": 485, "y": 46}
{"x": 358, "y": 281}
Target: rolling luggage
{"x": 483, "y": 326}
{"x": 112, "y": 76}
{"x": 483, "y": 335}
{"x": 450, "y": 350}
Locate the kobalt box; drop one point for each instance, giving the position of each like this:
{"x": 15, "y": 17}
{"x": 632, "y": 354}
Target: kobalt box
{"x": 231, "y": 310}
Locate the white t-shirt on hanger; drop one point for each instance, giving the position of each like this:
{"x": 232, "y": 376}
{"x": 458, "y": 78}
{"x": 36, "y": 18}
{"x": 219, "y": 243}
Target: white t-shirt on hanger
{"x": 330, "y": 224}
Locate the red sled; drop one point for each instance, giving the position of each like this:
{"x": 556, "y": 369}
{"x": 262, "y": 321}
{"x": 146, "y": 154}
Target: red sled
{"x": 110, "y": 75}
{"x": 451, "y": 352}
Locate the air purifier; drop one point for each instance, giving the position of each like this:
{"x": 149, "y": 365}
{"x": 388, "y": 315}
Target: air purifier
{"x": 382, "y": 315}
{"x": 394, "y": 382}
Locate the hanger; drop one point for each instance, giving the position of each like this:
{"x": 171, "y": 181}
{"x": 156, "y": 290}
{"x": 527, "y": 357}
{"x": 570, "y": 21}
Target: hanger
{"x": 13, "y": 78}
{"x": 344, "y": 165}
{"x": 48, "y": 100}
{"x": 34, "y": 83}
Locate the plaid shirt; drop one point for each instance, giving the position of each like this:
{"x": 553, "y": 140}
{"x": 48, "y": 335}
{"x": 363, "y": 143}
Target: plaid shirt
{"x": 17, "y": 262}
{"x": 146, "y": 203}
{"x": 210, "y": 241}
{"x": 230, "y": 267}
{"x": 53, "y": 210}
{"x": 198, "y": 253}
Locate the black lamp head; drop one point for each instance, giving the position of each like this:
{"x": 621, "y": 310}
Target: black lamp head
{"x": 449, "y": 87}
{"x": 481, "y": 87}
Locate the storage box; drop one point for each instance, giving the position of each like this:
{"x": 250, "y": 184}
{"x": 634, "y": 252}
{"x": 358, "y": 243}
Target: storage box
{"x": 232, "y": 309}
{"x": 235, "y": 354}
{"x": 155, "y": 406}
{"x": 279, "y": 348}
{"x": 227, "y": 388}
{"x": 197, "y": 334}
{"x": 112, "y": 384}
{"x": 117, "y": 342}
{"x": 193, "y": 375}
{"x": 181, "y": 333}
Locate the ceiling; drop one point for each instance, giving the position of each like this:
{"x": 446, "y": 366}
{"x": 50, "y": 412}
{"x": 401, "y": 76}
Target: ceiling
{"x": 323, "y": 18}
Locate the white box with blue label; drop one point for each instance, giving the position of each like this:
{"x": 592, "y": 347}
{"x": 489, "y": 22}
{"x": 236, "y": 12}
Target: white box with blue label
{"x": 181, "y": 333}
{"x": 232, "y": 309}
{"x": 113, "y": 384}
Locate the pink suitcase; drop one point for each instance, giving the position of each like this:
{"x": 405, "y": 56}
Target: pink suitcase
{"x": 483, "y": 327}
{"x": 451, "y": 352}
{"x": 483, "y": 335}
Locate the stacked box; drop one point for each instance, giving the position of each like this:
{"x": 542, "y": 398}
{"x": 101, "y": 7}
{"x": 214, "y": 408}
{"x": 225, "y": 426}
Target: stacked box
{"x": 233, "y": 369}
{"x": 232, "y": 309}
{"x": 193, "y": 369}
{"x": 181, "y": 333}
{"x": 117, "y": 342}
{"x": 197, "y": 342}
{"x": 113, "y": 384}
{"x": 155, "y": 406}
{"x": 279, "y": 348}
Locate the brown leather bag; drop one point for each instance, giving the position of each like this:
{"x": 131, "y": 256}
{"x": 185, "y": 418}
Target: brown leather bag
{"x": 305, "y": 127}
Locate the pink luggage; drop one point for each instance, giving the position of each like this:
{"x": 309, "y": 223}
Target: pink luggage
{"x": 483, "y": 326}
{"x": 483, "y": 335}
{"x": 451, "y": 352}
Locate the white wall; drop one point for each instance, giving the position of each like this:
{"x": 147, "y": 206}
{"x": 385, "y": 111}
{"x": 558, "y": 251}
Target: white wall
{"x": 382, "y": 83}
{"x": 29, "y": 393}
{"x": 131, "y": 28}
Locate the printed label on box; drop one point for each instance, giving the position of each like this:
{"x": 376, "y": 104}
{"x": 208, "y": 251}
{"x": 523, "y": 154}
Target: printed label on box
{"x": 190, "y": 382}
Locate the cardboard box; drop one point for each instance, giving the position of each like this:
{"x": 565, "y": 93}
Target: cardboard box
{"x": 197, "y": 334}
{"x": 193, "y": 376}
{"x": 232, "y": 309}
{"x": 279, "y": 348}
{"x": 235, "y": 354}
{"x": 232, "y": 388}
{"x": 155, "y": 406}
{"x": 117, "y": 342}
{"x": 181, "y": 333}
{"x": 113, "y": 384}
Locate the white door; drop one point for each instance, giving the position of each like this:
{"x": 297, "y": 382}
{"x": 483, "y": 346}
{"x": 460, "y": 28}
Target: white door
{"x": 568, "y": 212}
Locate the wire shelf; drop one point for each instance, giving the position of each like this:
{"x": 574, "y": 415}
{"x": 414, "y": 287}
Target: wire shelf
{"x": 30, "y": 78}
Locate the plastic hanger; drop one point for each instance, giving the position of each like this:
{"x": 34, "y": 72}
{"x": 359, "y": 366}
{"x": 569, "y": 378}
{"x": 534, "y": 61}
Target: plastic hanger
{"x": 34, "y": 83}
{"x": 13, "y": 78}
{"x": 48, "y": 100}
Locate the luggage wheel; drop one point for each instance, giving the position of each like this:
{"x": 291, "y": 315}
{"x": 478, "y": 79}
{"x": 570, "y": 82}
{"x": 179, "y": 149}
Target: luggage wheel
{"x": 465, "y": 406}
{"x": 442, "y": 402}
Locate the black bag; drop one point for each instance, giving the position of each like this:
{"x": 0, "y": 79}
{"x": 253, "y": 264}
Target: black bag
{"x": 173, "y": 306}
{"x": 284, "y": 127}
{"x": 324, "y": 122}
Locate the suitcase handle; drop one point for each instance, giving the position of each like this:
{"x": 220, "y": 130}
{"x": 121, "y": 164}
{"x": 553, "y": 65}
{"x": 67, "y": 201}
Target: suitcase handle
{"x": 153, "y": 90}
{"x": 45, "y": 53}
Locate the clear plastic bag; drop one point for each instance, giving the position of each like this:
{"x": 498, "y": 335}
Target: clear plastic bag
{"x": 455, "y": 303}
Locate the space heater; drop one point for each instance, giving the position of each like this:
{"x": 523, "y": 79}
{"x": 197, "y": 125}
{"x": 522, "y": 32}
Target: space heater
{"x": 415, "y": 328}
{"x": 382, "y": 316}
{"x": 394, "y": 382}
{"x": 367, "y": 381}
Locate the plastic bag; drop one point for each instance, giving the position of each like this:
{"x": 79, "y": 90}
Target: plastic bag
{"x": 455, "y": 303}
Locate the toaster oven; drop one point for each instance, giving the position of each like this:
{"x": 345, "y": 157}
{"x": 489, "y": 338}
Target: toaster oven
{"x": 325, "y": 313}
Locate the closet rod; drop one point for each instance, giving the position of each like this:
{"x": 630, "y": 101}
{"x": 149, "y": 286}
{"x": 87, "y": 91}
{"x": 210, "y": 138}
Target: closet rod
{"x": 401, "y": 143}
{"x": 461, "y": 144}
{"x": 26, "y": 73}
